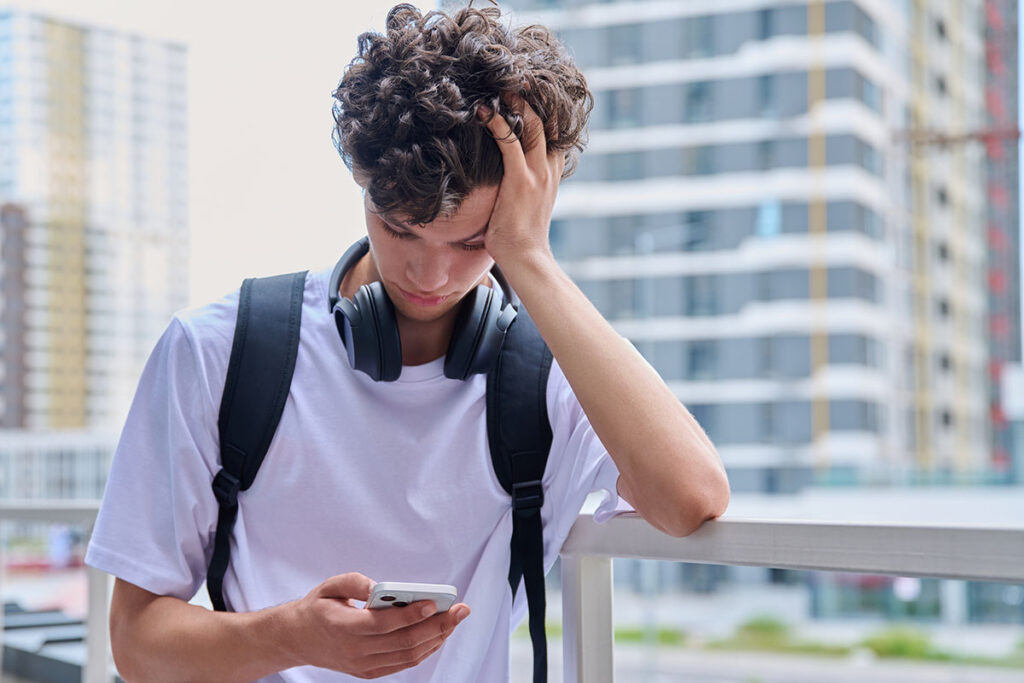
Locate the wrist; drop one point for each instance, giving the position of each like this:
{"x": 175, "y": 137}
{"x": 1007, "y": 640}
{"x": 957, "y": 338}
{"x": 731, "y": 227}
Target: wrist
{"x": 279, "y": 632}
{"x": 523, "y": 263}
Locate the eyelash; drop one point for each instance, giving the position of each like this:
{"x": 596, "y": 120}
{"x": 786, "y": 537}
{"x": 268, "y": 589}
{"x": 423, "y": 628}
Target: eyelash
{"x": 404, "y": 235}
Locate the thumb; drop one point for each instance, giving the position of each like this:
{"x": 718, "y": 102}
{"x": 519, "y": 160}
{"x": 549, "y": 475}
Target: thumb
{"x": 352, "y": 585}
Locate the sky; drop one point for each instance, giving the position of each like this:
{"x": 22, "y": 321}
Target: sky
{"x": 268, "y": 193}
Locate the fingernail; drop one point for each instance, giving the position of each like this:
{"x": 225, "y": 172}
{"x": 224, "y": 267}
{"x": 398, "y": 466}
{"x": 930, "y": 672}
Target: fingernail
{"x": 461, "y": 613}
{"x": 428, "y": 610}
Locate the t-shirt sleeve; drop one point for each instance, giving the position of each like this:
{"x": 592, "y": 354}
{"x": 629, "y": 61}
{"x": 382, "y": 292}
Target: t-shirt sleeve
{"x": 158, "y": 512}
{"x": 578, "y": 464}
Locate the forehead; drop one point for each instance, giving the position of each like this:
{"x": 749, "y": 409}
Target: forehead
{"x": 471, "y": 216}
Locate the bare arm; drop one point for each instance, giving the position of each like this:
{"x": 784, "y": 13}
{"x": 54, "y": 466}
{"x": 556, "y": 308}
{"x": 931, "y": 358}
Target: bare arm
{"x": 160, "y": 637}
{"x": 669, "y": 469}
{"x": 157, "y": 638}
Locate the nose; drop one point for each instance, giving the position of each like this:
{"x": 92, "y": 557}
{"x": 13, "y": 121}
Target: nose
{"x": 428, "y": 271}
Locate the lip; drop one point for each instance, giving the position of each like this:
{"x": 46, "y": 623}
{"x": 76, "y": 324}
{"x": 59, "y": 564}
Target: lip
{"x": 422, "y": 301}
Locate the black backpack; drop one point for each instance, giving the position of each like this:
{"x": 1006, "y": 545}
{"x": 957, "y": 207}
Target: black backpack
{"x": 518, "y": 430}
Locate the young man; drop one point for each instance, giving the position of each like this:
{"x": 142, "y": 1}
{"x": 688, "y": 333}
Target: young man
{"x": 459, "y": 130}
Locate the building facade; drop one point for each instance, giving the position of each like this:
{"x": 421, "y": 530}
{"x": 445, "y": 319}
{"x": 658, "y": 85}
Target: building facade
{"x": 786, "y": 207}
{"x": 93, "y": 193}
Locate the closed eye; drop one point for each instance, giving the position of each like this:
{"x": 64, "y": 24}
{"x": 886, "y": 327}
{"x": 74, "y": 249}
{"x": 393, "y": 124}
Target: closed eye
{"x": 400, "y": 235}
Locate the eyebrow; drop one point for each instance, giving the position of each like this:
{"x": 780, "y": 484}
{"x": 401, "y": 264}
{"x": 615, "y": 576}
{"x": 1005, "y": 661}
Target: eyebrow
{"x": 402, "y": 226}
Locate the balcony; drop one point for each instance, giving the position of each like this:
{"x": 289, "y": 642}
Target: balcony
{"x": 973, "y": 551}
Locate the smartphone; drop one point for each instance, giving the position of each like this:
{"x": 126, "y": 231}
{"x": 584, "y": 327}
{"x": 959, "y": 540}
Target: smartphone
{"x": 397, "y": 594}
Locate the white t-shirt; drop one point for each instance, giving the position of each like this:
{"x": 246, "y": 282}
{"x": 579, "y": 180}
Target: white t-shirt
{"x": 390, "y": 479}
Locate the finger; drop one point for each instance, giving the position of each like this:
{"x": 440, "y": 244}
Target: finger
{"x": 535, "y": 143}
{"x": 410, "y": 637}
{"x": 391, "y": 619}
{"x": 511, "y": 150}
{"x": 352, "y": 585}
{"x": 559, "y": 162}
{"x": 392, "y": 664}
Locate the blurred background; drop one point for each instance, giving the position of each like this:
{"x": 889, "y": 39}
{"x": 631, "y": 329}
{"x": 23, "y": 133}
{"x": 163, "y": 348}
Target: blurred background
{"x": 804, "y": 213}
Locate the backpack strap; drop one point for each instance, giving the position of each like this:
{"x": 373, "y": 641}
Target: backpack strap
{"x": 519, "y": 435}
{"x": 260, "y": 371}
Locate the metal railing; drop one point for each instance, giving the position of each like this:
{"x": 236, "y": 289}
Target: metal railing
{"x": 984, "y": 553}
{"x": 98, "y": 662}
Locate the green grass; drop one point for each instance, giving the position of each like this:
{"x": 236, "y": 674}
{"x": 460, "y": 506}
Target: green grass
{"x": 769, "y": 634}
{"x": 903, "y": 643}
{"x": 669, "y": 637}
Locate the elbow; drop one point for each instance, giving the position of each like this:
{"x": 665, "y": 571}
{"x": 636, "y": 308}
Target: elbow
{"x": 121, "y": 647}
{"x": 696, "y": 507}
{"x": 127, "y": 631}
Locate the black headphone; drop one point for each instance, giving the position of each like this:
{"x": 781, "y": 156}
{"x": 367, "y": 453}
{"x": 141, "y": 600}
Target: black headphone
{"x": 370, "y": 333}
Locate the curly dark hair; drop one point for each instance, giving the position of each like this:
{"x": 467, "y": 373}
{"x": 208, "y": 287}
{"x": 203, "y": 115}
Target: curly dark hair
{"x": 405, "y": 113}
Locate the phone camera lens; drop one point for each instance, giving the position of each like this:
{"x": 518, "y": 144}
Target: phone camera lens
{"x": 399, "y": 603}
{"x": 387, "y": 598}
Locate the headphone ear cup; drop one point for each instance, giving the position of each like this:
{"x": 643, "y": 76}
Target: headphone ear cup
{"x": 476, "y": 335}
{"x": 377, "y": 347}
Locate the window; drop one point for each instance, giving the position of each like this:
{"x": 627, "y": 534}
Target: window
{"x": 622, "y": 234}
{"x": 698, "y": 38}
{"x": 698, "y": 160}
{"x": 765, "y": 154}
{"x": 700, "y": 295}
{"x": 871, "y": 95}
{"x": 764, "y": 24}
{"x": 853, "y": 415}
{"x": 698, "y": 230}
{"x": 625, "y": 44}
{"x": 697, "y": 102}
{"x": 624, "y": 109}
{"x": 626, "y": 166}
{"x": 701, "y": 360}
{"x": 769, "y": 218}
{"x": 866, "y": 26}
{"x": 766, "y": 98}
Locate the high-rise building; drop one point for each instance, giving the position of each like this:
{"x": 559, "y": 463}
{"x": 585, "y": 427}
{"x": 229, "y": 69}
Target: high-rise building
{"x": 787, "y": 207}
{"x": 1003, "y": 228}
{"x": 93, "y": 253}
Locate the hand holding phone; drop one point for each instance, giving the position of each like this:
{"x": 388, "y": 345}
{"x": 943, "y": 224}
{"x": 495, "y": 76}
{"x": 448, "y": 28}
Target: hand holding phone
{"x": 398, "y": 594}
{"x": 325, "y": 629}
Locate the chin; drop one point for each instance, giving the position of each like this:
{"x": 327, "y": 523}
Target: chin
{"x": 423, "y": 314}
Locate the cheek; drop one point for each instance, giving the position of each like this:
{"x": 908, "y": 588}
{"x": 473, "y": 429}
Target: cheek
{"x": 385, "y": 256}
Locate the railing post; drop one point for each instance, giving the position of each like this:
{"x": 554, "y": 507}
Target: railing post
{"x": 97, "y": 636}
{"x": 587, "y": 630}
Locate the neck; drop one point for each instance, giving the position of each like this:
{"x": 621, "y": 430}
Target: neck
{"x": 423, "y": 342}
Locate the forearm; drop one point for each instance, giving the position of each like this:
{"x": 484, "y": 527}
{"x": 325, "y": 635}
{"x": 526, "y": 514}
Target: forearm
{"x": 660, "y": 449}
{"x": 171, "y": 640}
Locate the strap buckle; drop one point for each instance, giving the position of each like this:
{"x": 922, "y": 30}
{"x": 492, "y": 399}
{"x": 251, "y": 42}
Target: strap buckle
{"x": 527, "y": 495}
{"x": 225, "y": 488}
